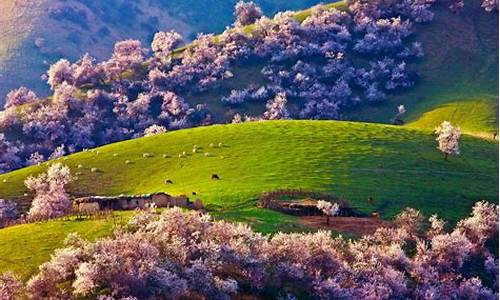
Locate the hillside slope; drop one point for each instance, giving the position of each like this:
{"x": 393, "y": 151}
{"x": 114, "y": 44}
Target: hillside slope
{"x": 458, "y": 75}
{"x": 396, "y": 166}
{"x": 34, "y": 34}
{"x": 462, "y": 69}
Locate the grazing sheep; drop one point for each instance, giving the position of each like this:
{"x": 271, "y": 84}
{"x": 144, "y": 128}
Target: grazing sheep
{"x": 168, "y": 181}
{"x": 97, "y": 152}
{"x": 215, "y": 177}
{"x": 211, "y": 145}
{"x": 78, "y": 173}
{"x": 194, "y": 193}
{"x": 195, "y": 150}
{"x": 25, "y": 194}
{"x": 165, "y": 156}
{"x": 115, "y": 154}
{"x": 207, "y": 154}
{"x": 146, "y": 155}
{"x": 128, "y": 162}
{"x": 4, "y": 181}
{"x": 181, "y": 155}
{"x": 184, "y": 153}
{"x": 94, "y": 170}
{"x": 221, "y": 144}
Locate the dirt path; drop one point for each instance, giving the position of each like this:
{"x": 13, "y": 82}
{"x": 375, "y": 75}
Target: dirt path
{"x": 358, "y": 226}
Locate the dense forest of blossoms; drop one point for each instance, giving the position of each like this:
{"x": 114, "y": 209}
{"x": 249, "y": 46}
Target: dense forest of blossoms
{"x": 178, "y": 254}
{"x": 314, "y": 63}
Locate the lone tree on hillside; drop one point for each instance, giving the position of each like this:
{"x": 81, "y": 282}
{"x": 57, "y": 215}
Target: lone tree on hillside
{"x": 51, "y": 199}
{"x": 448, "y": 137}
{"x": 246, "y": 13}
{"x": 398, "y": 119}
{"x": 329, "y": 209}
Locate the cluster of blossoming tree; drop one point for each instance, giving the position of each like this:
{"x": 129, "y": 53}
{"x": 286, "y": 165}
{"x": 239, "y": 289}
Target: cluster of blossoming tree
{"x": 50, "y": 199}
{"x": 185, "y": 254}
{"x": 331, "y": 60}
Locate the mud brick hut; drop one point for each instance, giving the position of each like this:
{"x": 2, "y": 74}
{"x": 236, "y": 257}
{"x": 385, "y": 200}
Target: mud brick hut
{"x": 129, "y": 202}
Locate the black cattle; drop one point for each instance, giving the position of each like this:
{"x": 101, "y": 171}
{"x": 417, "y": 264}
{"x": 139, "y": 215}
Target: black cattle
{"x": 215, "y": 177}
{"x": 168, "y": 181}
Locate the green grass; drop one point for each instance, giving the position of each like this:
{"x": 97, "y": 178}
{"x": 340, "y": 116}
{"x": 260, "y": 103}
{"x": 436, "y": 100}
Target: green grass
{"x": 24, "y": 247}
{"x": 462, "y": 69}
{"x": 475, "y": 116}
{"x": 460, "y": 65}
{"x": 397, "y": 166}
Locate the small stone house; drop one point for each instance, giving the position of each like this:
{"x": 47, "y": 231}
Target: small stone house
{"x": 126, "y": 202}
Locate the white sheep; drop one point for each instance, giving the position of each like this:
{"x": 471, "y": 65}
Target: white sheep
{"x": 147, "y": 155}
{"x": 80, "y": 166}
{"x": 207, "y": 154}
{"x": 115, "y": 154}
{"x": 94, "y": 170}
{"x": 128, "y": 162}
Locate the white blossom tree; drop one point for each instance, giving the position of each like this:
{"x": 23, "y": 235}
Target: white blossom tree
{"x": 448, "y": 138}
{"x": 20, "y": 96}
{"x": 51, "y": 199}
{"x": 246, "y": 13}
{"x": 329, "y": 209}
{"x": 276, "y": 108}
{"x": 165, "y": 42}
{"x": 154, "y": 130}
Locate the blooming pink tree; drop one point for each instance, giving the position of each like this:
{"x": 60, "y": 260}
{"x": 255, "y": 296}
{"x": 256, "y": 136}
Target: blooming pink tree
{"x": 276, "y": 108}
{"x": 246, "y": 13}
{"x": 60, "y": 72}
{"x": 448, "y": 137}
{"x": 20, "y": 96}
{"x": 177, "y": 254}
{"x": 165, "y": 42}
{"x": 51, "y": 199}
{"x": 10, "y": 286}
{"x": 154, "y": 130}
{"x": 490, "y": 5}
{"x": 127, "y": 55}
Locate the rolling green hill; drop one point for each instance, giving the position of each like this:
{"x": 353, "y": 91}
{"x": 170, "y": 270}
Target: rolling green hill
{"x": 397, "y": 166}
{"x": 458, "y": 75}
{"x": 460, "y": 65}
